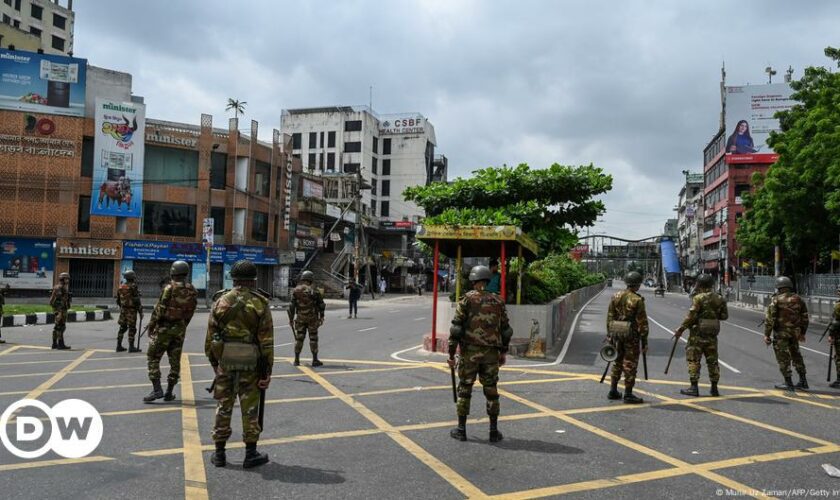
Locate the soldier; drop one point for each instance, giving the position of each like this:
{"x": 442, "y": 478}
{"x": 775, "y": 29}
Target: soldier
{"x": 833, "y": 338}
{"x": 240, "y": 347}
{"x": 128, "y": 298}
{"x": 480, "y": 327}
{"x": 60, "y": 302}
{"x": 306, "y": 314}
{"x": 627, "y": 328}
{"x": 787, "y": 316}
{"x": 708, "y": 309}
{"x": 3, "y": 292}
{"x": 167, "y": 328}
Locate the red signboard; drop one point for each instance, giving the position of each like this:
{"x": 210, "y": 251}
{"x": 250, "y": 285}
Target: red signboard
{"x": 751, "y": 158}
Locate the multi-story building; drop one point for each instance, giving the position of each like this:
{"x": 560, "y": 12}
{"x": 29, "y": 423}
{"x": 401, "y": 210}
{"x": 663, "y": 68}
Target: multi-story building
{"x": 49, "y": 22}
{"x": 690, "y": 223}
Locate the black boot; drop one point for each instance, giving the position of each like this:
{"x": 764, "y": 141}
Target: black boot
{"x": 630, "y": 398}
{"x": 315, "y": 361}
{"x": 714, "y": 390}
{"x": 55, "y": 341}
{"x": 169, "y": 396}
{"x": 495, "y": 435}
{"x": 803, "y": 382}
{"x": 460, "y": 432}
{"x": 297, "y": 359}
{"x": 219, "y": 458}
{"x": 835, "y": 384}
{"x": 134, "y": 348}
{"x": 691, "y": 391}
{"x": 614, "y": 395}
{"x": 157, "y": 392}
{"x": 253, "y": 458}
{"x": 61, "y": 345}
{"x": 120, "y": 347}
{"x": 787, "y": 386}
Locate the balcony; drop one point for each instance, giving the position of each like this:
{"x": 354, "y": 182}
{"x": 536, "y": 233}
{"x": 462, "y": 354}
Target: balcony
{"x": 312, "y": 205}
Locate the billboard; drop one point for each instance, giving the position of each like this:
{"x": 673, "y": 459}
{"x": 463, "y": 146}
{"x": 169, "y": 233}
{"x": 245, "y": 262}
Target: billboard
{"x": 27, "y": 263}
{"x": 118, "y": 150}
{"x": 750, "y": 117}
{"x": 42, "y": 83}
{"x": 402, "y": 124}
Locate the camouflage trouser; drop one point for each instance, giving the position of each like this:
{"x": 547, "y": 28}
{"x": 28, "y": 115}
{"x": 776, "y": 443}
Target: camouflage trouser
{"x": 302, "y": 326}
{"x": 837, "y": 355}
{"x": 228, "y": 387}
{"x": 627, "y": 361}
{"x": 60, "y": 324}
{"x": 699, "y": 346}
{"x": 787, "y": 351}
{"x": 484, "y": 362}
{"x": 127, "y": 321}
{"x": 168, "y": 340}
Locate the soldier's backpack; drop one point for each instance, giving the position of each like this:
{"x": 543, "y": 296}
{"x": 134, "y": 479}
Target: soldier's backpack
{"x": 238, "y": 348}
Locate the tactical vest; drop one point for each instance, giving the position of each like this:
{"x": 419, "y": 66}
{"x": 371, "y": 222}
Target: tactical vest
{"x": 623, "y": 324}
{"x": 236, "y": 343}
{"x": 305, "y": 301}
{"x": 483, "y": 321}
{"x": 708, "y": 319}
{"x": 181, "y": 304}
{"x": 789, "y": 308}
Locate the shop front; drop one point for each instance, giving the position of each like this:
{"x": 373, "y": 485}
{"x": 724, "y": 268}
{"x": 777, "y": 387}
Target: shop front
{"x": 91, "y": 264}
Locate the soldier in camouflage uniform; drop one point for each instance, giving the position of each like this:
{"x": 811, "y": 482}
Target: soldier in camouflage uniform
{"x": 482, "y": 331}
{"x": 60, "y": 302}
{"x": 3, "y": 293}
{"x": 627, "y": 329}
{"x": 708, "y": 309}
{"x": 787, "y": 316}
{"x": 306, "y": 314}
{"x": 128, "y": 298}
{"x": 240, "y": 347}
{"x": 834, "y": 338}
{"x": 167, "y": 328}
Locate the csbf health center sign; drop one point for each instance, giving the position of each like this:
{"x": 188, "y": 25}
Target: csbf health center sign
{"x": 118, "y": 151}
{"x": 42, "y": 83}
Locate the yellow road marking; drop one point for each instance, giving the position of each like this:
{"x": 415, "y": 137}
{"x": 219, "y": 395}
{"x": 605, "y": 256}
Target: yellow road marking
{"x": 58, "y": 376}
{"x": 802, "y": 400}
{"x": 195, "y": 479}
{"x": 353, "y": 361}
{"x": 51, "y": 463}
{"x": 10, "y": 349}
{"x": 120, "y": 413}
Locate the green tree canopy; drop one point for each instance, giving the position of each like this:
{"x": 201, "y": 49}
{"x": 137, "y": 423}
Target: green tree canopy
{"x": 548, "y": 204}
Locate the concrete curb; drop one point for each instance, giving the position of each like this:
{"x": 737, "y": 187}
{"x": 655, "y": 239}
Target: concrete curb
{"x": 44, "y": 318}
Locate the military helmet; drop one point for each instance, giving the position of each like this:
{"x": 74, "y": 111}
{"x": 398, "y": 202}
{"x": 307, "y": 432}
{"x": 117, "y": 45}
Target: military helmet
{"x": 633, "y": 279}
{"x": 179, "y": 268}
{"x": 480, "y": 273}
{"x": 243, "y": 270}
{"x": 307, "y": 276}
{"x": 705, "y": 281}
{"x": 783, "y": 282}
{"x": 129, "y": 275}
{"x": 64, "y": 276}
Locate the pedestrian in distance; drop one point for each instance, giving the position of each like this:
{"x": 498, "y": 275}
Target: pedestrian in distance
{"x": 60, "y": 302}
{"x": 382, "y": 286}
{"x": 627, "y": 329}
{"x": 353, "y": 296}
{"x": 306, "y": 315}
{"x": 785, "y": 324}
{"x": 495, "y": 284}
{"x": 833, "y": 339}
{"x": 240, "y": 347}
{"x": 168, "y": 328}
{"x": 3, "y": 292}
{"x": 707, "y": 310}
{"x": 480, "y": 328}
{"x": 128, "y": 300}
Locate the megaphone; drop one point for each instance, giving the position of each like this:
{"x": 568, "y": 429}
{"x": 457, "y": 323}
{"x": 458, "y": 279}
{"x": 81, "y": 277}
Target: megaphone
{"x": 608, "y": 353}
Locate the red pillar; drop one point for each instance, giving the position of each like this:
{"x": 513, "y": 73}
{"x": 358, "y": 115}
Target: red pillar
{"x": 435, "y": 296}
{"x": 503, "y": 265}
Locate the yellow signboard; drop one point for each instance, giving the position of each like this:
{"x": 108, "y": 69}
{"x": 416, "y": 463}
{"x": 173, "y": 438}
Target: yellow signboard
{"x": 486, "y": 233}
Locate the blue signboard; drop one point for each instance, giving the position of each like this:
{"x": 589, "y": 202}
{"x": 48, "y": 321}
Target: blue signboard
{"x": 164, "y": 250}
{"x": 42, "y": 83}
{"x": 27, "y": 263}
{"x": 259, "y": 255}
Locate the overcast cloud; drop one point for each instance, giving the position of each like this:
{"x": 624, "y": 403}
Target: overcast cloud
{"x": 631, "y": 86}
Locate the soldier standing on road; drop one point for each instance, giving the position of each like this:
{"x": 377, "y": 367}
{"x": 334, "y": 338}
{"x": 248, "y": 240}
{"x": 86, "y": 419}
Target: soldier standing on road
{"x": 787, "y": 316}
{"x": 833, "y": 338}
{"x": 627, "y": 327}
{"x": 240, "y": 347}
{"x": 3, "y": 292}
{"x": 708, "y": 309}
{"x": 481, "y": 328}
{"x": 128, "y": 298}
{"x": 167, "y": 328}
{"x": 60, "y": 302}
{"x": 306, "y": 314}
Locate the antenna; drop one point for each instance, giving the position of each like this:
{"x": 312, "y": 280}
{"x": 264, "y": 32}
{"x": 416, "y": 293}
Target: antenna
{"x": 770, "y": 72}
{"x": 370, "y": 104}
{"x": 789, "y": 74}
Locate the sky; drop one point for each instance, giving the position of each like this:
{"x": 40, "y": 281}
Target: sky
{"x": 631, "y": 86}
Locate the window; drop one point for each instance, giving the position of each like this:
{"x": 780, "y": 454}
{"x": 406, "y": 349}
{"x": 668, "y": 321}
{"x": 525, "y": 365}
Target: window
{"x": 386, "y": 188}
{"x": 218, "y": 216}
{"x": 170, "y": 219}
{"x": 262, "y": 178}
{"x": 322, "y": 139}
{"x": 37, "y": 11}
{"x": 330, "y": 161}
{"x": 8, "y": 2}
{"x": 373, "y": 183}
{"x": 385, "y": 209}
{"x": 351, "y": 168}
{"x": 59, "y": 22}
{"x": 83, "y": 217}
{"x": 375, "y": 144}
{"x": 373, "y": 165}
{"x": 35, "y": 31}
{"x": 16, "y": 24}
{"x": 17, "y": 5}
{"x": 218, "y": 170}
{"x": 386, "y": 167}
{"x": 352, "y": 147}
{"x": 386, "y": 146}
{"x": 311, "y": 163}
{"x": 57, "y": 43}
{"x": 7, "y": 19}
{"x": 331, "y": 140}
{"x": 353, "y": 126}
{"x": 178, "y": 167}
{"x": 296, "y": 140}
{"x": 259, "y": 226}
{"x": 87, "y": 157}
{"x": 313, "y": 140}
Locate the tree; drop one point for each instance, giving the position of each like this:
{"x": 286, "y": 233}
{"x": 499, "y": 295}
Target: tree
{"x": 548, "y": 204}
{"x": 237, "y": 106}
{"x": 797, "y": 204}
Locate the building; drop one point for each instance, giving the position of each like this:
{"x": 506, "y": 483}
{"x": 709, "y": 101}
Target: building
{"x": 49, "y": 24}
{"x": 690, "y": 223}
{"x": 670, "y": 229}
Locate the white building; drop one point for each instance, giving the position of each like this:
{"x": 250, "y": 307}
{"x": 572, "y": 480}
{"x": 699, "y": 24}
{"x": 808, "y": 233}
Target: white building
{"x": 48, "y": 20}
{"x": 690, "y": 223}
{"x": 392, "y": 152}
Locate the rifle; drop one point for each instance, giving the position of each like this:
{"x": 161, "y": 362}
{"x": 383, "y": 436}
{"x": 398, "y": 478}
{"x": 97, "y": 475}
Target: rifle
{"x": 140, "y": 327}
{"x": 644, "y": 363}
{"x": 454, "y": 390}
{"x": 606, "y": 370}
{"x": 670, "y": 356}
{"x": 261, "y": 369}
{"x": 212, "y": 386}
{"x": 826, "y": 331}
{"x": 830, "y": 355}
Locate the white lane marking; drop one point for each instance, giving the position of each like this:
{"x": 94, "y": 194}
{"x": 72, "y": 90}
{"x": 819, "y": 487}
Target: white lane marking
{"x": 572, "y": 329}
{"x": 281, "y": 345}
{"x": 281, "y": 326}
{"x": 393, "y": 310}
{"x": 396, "y": 355}
{"x": 368, "y": 329}
{"x": 722, "y": 363}
{"x": 419, "y": 319}
{"x": 759, "y": 333}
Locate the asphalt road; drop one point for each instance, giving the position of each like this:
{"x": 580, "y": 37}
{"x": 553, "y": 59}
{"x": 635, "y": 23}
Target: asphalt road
{"x": 373, "y": 422}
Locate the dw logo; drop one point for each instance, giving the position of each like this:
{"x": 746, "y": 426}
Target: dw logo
{"x": 75, "y": 429}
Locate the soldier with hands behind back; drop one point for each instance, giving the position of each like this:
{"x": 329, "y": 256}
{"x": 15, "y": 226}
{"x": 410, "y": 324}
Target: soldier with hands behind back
{"x": 128, "y": 298}
{"x": 787, "y": 321}
{"x": 306, "y": 315}
{"x": 627, "y": 328}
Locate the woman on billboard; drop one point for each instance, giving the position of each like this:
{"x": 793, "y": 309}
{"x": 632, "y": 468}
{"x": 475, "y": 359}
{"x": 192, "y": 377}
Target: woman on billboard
{"x": 740, "y": 142}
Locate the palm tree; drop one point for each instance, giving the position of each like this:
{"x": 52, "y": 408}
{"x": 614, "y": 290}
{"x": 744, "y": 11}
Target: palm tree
{"x": 237, "y": 106}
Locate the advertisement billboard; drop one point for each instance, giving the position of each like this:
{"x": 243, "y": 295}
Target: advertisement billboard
{"x": 400, "y": 124}
{"x": 27, "y": 263}
{"x": 118, "y": 150}
{"x": 42, "y": 83}
{"x": 750, "y": 116}
{"x": 312, "y": 189}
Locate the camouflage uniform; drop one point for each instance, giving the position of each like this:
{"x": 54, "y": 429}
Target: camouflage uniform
{"x": 168, "y": 326}
{"x": 787, "y": 315}
{"x": 834, "y": 331}
{"x": 128, "y": 298}
{"x": 307, "y": 314}
{"x": 628, "y": 305}
{"x": 243, "y": 315}
{"x": 60, "y": 302}
{"x": 705, "y": 305}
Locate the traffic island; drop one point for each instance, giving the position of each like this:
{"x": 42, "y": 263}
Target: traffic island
{"x": 48, "y": 318}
